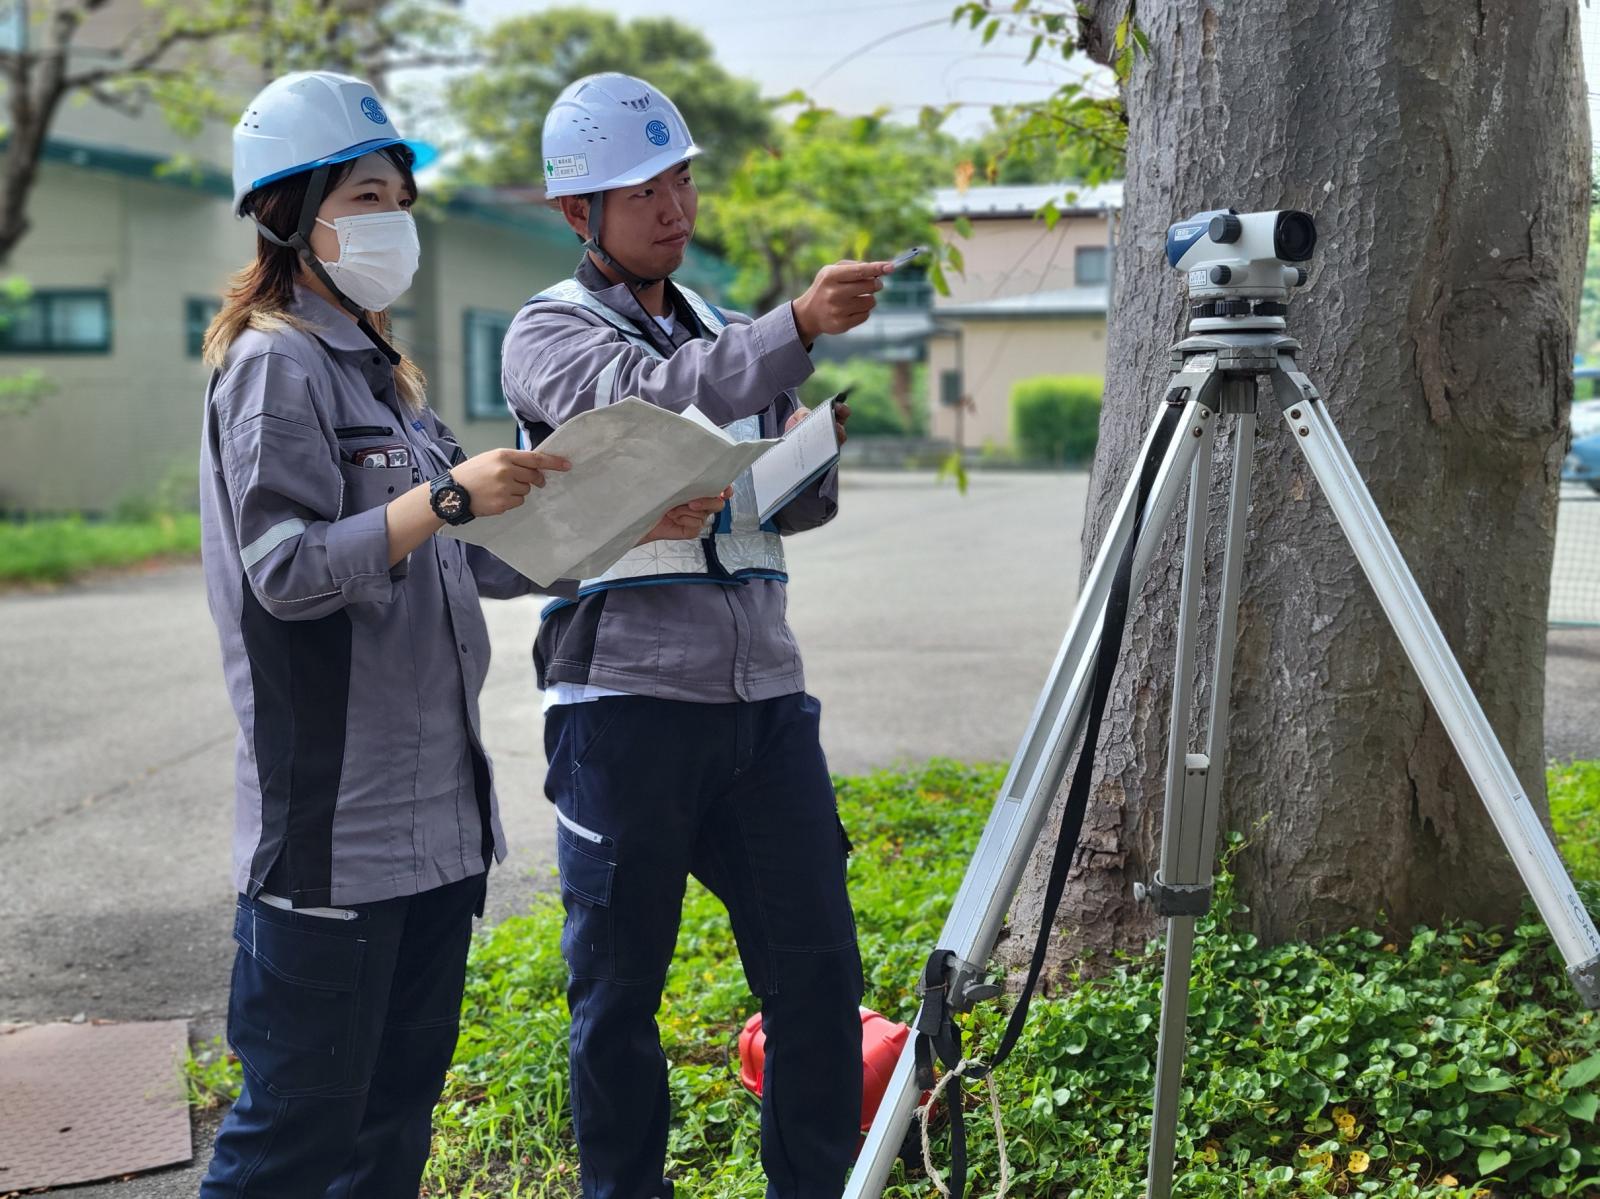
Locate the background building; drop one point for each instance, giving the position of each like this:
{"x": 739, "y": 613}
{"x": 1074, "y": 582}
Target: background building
{"x": 1032, "y": 301}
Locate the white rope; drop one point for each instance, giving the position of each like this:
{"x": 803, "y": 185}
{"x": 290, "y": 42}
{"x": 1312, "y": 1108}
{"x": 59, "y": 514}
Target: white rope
{"x": 925, "y": 1113}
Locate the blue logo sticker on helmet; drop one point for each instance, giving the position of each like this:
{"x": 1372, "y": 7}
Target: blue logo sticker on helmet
{"x": 656, "y": 131}
{"x": 374, "y": 111}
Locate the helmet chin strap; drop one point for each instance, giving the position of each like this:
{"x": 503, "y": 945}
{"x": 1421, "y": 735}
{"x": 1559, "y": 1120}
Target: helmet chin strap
{"x": 596, "y": 213}
{"x": 300, "y": 242}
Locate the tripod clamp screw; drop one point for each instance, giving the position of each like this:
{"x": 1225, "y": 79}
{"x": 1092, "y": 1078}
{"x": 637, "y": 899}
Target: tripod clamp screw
{"x": 975, "y": 993}
{"x": 962, "y": 984}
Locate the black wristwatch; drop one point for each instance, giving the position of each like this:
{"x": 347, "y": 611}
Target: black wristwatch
{"x": 449, "y": 500}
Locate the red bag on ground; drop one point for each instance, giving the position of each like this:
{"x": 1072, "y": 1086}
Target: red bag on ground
{"x": 881, "y": 1042}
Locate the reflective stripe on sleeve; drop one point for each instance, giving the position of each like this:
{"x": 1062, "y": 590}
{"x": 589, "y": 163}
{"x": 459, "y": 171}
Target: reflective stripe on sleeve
{"x": 271, "y": 540}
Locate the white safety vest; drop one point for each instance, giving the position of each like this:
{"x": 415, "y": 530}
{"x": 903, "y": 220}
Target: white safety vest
{"x": 738, "y": 547}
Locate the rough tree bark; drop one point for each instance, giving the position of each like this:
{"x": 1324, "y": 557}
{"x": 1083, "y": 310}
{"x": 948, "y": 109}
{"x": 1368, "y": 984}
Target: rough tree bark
{"x": 1443, "y": 146}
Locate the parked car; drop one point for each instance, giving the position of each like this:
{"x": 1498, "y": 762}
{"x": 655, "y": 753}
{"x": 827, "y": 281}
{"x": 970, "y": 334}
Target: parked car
{"x": 1582, "y": 463}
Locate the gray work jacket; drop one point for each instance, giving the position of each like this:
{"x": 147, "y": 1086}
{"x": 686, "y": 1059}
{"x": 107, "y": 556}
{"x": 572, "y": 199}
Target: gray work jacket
{"x": 702, "y": 642}
{"x": 360, "y": 771}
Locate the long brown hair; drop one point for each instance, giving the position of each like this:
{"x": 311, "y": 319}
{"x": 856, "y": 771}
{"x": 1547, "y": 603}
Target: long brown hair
{"x": 259, "y": 296}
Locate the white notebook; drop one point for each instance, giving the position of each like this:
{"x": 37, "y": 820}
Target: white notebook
{"x": 803, "y": 454}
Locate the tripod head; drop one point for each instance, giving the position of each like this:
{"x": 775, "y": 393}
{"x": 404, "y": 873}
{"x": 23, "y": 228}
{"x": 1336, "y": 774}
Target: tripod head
{"x": 1237, "y": 265}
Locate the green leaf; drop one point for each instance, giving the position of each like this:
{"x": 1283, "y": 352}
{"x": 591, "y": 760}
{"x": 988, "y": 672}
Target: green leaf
{"x": 1033, "y": 48}
{"x": 989, "y": 30}
{"x": 1490, "y": 1160}
{"x": 954, "y": 467}
{"x": 1582, "y": 1073}
{"x": 963, "y": 226}
{"x": 1581, "y": 1107}
{"x": 808, "y": 120}
{"x": 1487, "y": 1084}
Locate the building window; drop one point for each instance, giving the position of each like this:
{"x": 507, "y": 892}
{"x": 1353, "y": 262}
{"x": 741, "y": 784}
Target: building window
{"x": 1089, "y": 267}
{"x": 197, "y": 316}
{"x": 57, "y": 322}
{"x": 483, "y": 333}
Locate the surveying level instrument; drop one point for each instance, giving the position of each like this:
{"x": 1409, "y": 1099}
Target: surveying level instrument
{"x": 1240, "y": 272}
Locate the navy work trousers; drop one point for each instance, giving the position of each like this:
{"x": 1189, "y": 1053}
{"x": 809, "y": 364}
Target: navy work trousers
{"x": 648, "y": 792}
{"x": 345, "y": 1029}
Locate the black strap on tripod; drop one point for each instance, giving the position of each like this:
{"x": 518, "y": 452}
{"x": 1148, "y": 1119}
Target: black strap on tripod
{"x": 936, "y": 1030}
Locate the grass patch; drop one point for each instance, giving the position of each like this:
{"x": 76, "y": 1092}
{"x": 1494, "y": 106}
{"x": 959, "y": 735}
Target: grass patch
{"x": 1448, "y": 1063}
{"x": 211, "y": 1076}
{"x": 1575, "y": 815}
{"x": 53, "y": 551}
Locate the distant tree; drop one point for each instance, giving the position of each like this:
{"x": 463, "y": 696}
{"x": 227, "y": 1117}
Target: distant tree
{"x": 1030, "y": 144}
{"x": 527, "y": 61}
{"x": 829, "y": 187}
{"x": 1073, "y": 134}
{"x": 192, "y": 60}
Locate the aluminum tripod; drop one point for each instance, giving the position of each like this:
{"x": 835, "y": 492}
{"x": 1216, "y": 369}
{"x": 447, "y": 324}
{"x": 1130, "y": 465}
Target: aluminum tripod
{"x": 1214, "y": 374}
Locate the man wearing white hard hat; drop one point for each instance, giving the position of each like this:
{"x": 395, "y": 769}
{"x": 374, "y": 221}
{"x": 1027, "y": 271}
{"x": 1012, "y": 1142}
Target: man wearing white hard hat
{"x": 679, "y": 734}
{"x": 354, "y": 650}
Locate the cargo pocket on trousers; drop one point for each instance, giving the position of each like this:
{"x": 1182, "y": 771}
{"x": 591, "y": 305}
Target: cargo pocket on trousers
{"x": 586, "y": 879}
{"x": 292, "y": 1011}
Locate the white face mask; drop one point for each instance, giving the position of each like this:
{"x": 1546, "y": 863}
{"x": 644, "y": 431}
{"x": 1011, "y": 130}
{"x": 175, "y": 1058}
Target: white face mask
{"x": 378, "y": 255}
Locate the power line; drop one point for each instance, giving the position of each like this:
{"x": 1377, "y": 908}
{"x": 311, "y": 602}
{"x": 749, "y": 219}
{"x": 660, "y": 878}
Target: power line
{"x": 873, "y": 45}
{"x": 808, "y": 14}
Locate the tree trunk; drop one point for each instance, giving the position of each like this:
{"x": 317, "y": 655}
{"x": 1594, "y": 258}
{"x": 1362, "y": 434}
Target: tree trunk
{"x": 1443, "y": 146}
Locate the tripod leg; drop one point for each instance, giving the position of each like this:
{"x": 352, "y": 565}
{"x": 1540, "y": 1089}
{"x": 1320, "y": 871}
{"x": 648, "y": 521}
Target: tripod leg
{"x": 1458, "y": 708}
{"x": 1188, "y": 837}
{"x": 1019, "y": 813}
{"x": 1042, "y": 757}
{"x": 1181, "y": 773}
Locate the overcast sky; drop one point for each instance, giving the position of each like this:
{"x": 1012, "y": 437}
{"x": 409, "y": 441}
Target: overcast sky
{"x": 788, "y": 44}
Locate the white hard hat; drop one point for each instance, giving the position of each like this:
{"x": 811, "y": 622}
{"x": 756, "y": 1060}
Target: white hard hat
{"x": 611, "y": 130}
{"x": 310, "y": 119}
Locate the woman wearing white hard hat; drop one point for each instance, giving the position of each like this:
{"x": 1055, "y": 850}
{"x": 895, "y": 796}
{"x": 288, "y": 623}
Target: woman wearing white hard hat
{"x": 354, "y": 650}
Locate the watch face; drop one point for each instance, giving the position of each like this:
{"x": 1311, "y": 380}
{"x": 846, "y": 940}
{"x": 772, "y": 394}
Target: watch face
{"x": 450, "y": 502}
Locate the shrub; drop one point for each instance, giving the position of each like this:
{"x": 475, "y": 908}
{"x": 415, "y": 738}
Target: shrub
{"x": 55, "y": 550}
{"x": 1056, "y": 418}
{"x": 873, "y": 410}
